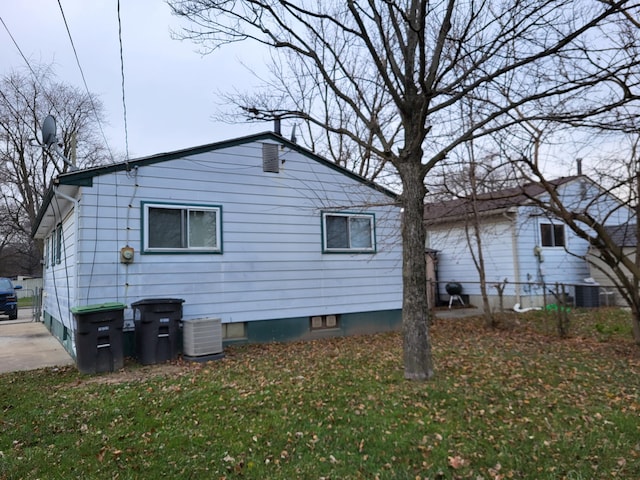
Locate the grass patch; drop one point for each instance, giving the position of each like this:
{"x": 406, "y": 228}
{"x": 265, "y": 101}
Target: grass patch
{"x": 510, "y": 403}
{"x": 25, "y": 302}
{"x": 601, "y": 324}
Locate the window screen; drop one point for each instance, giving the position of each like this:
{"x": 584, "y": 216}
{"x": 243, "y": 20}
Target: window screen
{"x": 181, "y": 228}
{"x": 345, "y": 232}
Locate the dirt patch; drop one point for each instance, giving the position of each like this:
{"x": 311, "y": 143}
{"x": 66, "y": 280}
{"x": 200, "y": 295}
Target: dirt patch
{"x": 135, "y": 373}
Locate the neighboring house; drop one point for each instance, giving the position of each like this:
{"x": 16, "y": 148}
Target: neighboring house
{"x": 625, "y": 237}
{"x": 258, "y": 231}
{"x": 521, "y": 243}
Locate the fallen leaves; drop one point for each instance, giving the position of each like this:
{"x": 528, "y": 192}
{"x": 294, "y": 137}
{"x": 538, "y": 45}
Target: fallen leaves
{"x": 504, "y": 404}
{"x": 456, "y": 462}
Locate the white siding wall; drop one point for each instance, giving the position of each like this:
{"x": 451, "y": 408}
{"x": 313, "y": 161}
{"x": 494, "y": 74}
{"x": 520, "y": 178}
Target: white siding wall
{"x": 272, "y": 265}
{"x": 582, "y": 195}
{"x": 563, "y": 265}
{"x": 455, "y": 262}
{"x": 559, "y": 264}
{"x": 59, "y": 280}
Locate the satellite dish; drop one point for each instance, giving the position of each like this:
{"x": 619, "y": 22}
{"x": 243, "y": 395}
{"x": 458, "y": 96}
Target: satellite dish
{"x": 49, "y": 139}
{"x": 49, "y": 131}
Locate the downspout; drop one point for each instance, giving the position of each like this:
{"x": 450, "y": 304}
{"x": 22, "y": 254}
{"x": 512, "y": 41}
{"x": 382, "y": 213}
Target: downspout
{"x": 514, "y": 252}
{"x": 76, "y": 206}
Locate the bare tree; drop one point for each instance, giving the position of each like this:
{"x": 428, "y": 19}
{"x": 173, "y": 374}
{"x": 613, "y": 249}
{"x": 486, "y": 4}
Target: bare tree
{"x": 25, "y": 101}
{"x": 400, "y": 68}
{"x": 606, "y": 217}
{"x": 609, "y": 226}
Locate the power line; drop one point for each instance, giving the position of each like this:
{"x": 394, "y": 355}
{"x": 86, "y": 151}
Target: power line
{"x": 19, "y": 50}
{"x": 36, "y": 77}
{"x": 124, "y": 103}
{"x": 84, "y": 81}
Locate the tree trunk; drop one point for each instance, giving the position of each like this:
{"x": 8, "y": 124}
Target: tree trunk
{"x": 418, "y": 362}
{"x": 635, "y": 324}
{"x": 478, "y": 260}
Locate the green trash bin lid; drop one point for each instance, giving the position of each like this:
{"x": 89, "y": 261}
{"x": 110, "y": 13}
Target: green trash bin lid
{"x": 101, "y": 307}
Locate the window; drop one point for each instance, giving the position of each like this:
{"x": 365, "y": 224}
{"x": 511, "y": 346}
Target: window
{"x": 46, "y": 253}
{"x": 53, "y": 248}
{"x": 346, "y": 232}
{"x": 181, "y": 228}
{"x": 552, "y": 235}
{"x": 58, "y": 242}
{"x": 52, "y": 256}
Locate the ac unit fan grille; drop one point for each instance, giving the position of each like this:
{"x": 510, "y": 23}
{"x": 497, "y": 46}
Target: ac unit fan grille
{"x": 202, "y": 336}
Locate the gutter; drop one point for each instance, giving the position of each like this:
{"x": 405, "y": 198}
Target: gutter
{"x": 465, "y": 216}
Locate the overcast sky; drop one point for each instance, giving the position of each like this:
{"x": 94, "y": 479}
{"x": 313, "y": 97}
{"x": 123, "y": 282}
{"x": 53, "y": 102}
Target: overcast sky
{"x": 171, "y": 90}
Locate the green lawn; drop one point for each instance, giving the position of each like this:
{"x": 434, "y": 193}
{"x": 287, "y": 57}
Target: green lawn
{"x": 25, "y": 302}
{"x": 512, "y": 403}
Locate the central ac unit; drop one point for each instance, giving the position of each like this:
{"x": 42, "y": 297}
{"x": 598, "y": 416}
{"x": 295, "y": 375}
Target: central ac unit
{"x": 202, "y": 339}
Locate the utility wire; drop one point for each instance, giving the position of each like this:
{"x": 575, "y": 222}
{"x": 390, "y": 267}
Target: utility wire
{"x": 124, "y": 103}
{"x": 84, "y": 81}
{"x": 19, "y": 49}
{"x": 36, "y": 77}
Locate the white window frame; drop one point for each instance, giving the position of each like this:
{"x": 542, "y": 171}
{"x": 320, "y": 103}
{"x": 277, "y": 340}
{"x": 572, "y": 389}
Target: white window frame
{"x": 58, "y": 242}
{"x": 185, "y": 207}
{"x": 349, "y": 249}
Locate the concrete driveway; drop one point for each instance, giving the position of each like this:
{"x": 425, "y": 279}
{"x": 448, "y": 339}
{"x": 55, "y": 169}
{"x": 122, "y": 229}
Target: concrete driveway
{"x": 28, "y": 345}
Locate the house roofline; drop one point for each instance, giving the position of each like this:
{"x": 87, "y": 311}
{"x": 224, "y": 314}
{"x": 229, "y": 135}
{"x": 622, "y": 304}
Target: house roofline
{"x": 511, "y": 209}
{"x": 498, "y": 200}
{"x": 84, "y": 178}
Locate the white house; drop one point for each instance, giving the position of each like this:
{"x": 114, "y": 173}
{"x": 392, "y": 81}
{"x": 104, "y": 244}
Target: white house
{"x": 625, "y": 237}
{"x": 521, "y": 242}
{"x": 275, "y": 241}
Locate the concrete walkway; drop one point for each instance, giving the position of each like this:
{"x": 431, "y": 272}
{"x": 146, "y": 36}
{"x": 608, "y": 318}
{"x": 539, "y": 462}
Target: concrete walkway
{"x": 29, "y": 346}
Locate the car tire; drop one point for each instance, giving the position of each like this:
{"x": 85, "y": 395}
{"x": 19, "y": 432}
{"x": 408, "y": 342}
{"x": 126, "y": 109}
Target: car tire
{"x": 13, "y": 316}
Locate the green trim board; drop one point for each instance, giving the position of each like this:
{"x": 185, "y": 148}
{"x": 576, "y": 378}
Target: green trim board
{"x": 59, "y": 331}
{"x": 299, "y": 328}
{"x": 267, "y": 331}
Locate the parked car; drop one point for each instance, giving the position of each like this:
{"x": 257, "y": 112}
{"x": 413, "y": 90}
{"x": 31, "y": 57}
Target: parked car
{"x": 8, "y": 299}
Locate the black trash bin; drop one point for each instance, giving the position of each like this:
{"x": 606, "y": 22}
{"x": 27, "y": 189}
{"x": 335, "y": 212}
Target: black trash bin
{"x": 98, "y": 336}
{"x": 157, "y": 324}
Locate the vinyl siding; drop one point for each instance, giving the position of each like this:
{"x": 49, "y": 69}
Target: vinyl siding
{"x": 59, "y": 280}
{"x": 271, "y": 266}
{"x": 455, "y": 262}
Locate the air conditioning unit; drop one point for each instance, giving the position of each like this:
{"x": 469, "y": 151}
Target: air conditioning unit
{"x": 202, "y": 339}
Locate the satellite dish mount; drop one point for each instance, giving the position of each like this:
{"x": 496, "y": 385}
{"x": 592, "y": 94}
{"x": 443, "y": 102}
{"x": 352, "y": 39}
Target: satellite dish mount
{"x": 49, "y": 139}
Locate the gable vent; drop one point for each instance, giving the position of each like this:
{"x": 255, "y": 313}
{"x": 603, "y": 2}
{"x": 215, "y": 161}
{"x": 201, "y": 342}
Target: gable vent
{"x": 270, "y": 160}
